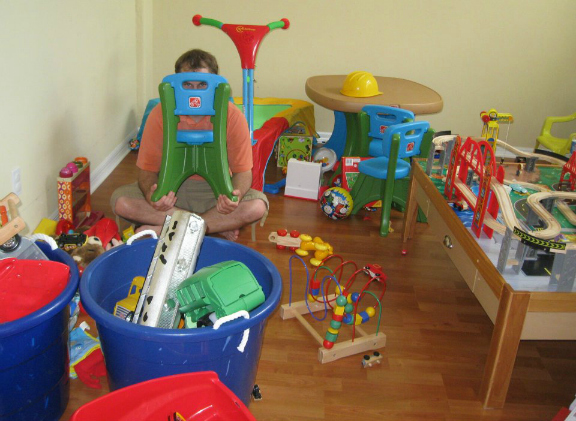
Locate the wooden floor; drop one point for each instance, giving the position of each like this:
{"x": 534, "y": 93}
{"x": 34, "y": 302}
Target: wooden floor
{"x": 437, "y": 334}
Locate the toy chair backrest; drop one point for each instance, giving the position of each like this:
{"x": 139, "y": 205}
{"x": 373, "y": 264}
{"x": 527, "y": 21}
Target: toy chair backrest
{"x": 549, "y": 121}
{"x": 410, "y": 136}
{"x": 195, "y": 101}
{"x": 381, "y": 117}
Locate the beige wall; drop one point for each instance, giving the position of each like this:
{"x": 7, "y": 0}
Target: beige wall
{"x": 518, "y": 56}
{"x": 76, "y": 74}
{"x": 68, "y": 88}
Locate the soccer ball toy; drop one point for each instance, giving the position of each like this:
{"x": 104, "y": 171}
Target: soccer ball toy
{"x": 336, "y": 203}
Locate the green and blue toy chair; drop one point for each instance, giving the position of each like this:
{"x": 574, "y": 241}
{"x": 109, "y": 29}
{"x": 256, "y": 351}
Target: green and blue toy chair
{"x": 189, "y": 152}
{"x": 378, "y": 176}
{"x": 558, "y": 145}
{"x": 382, "y": 117}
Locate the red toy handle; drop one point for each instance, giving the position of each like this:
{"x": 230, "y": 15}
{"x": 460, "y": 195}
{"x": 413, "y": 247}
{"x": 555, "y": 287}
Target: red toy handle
{"x": 246, "y": 38}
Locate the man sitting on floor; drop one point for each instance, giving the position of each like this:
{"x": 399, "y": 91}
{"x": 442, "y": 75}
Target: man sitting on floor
{"x": 222, "y": 215}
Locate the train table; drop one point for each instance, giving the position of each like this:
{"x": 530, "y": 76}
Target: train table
{"x": 522, "y": 304}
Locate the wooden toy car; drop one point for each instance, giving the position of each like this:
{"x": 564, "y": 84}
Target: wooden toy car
{"x": 370, "y": 360}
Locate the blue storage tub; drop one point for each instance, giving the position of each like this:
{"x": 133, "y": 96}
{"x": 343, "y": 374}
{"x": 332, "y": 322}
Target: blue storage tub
{"x": 135, "y": 353}
{"x": 34, "y": 365}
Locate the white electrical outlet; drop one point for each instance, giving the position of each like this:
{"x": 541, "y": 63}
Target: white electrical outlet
{"x": 16, "y": 181}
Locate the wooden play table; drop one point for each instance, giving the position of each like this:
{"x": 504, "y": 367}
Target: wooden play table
{"x": 516, "y": 314}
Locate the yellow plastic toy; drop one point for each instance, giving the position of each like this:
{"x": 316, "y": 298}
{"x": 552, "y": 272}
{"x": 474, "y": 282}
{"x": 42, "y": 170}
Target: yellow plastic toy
{"x": 124, "y": 308}
{"x": 492, "y": 120}
{"x": 320, "y": 248}
{"x": 558, "y": 145}
{"x": 127, "y": 233}
{"x": 360, "y": 85}
{"x": 46, "y": 226}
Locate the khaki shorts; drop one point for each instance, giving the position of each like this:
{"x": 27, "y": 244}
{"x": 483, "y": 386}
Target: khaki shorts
{"x": 193, "y": 195}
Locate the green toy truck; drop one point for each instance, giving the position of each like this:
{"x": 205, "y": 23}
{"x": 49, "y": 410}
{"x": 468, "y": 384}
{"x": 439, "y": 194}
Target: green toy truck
{"x": 223, "y": 289}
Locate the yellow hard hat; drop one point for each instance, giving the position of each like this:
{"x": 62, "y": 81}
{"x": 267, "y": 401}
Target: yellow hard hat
{"x": 360, "y": 84}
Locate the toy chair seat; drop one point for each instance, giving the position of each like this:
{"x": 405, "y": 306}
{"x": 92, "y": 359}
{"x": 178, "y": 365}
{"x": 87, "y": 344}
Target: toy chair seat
{"x": 189, "y": 152}
{"x": 382, "y": 117}
{"x": 558, "y": 145}
{"x": 377, "y": 177}
{"x": 378, "y": 168}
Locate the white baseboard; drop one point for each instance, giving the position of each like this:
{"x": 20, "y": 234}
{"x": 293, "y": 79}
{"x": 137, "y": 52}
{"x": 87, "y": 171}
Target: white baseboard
{"x": 102, "y": 171}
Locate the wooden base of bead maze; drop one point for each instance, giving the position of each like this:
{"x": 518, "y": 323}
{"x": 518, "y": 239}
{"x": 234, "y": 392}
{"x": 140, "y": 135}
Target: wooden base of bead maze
{"x": 366, "y": 342}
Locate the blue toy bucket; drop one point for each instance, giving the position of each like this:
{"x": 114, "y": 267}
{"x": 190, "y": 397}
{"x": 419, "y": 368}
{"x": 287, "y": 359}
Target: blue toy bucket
{"x": 135, "y": 353}
{"x": 34, "y": 365}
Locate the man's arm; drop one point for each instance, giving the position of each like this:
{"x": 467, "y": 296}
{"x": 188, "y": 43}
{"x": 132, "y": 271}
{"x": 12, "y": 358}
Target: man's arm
{"x": 148, "y": 182}
{"x": 241, "y": 182}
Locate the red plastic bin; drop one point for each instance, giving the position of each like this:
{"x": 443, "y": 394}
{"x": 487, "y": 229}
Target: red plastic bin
{"x": 195, "y": 396}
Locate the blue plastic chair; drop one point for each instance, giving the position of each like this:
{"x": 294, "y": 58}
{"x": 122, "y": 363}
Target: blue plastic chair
{"x": 382, "y": 117}
{"x": 378, "y": 175}
{"x": 189, "y": 152}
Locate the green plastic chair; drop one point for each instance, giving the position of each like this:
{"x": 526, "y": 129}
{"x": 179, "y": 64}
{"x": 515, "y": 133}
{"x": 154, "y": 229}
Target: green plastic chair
{"x": 381, "y": 178}
{"x": 189, "y": 152}
{"x": 555, "y": 144}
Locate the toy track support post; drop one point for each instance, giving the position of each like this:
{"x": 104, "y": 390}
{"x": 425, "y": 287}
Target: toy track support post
{"x": 451, "y": 173}
{"x": 247, "y": 39}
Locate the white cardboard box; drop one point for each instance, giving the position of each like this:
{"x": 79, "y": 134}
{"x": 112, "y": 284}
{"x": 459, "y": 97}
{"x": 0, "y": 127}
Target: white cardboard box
{"x": 303, "y": 179}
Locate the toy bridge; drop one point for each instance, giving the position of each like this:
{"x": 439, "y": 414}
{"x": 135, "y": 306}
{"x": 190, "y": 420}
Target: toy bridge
{"x": 477, "y": 159}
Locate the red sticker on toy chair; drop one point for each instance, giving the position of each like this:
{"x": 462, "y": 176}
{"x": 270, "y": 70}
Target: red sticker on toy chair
{"x": 194, "y": 102}
{"x": 383, "y": 129}
{"x": 410, "y": 146}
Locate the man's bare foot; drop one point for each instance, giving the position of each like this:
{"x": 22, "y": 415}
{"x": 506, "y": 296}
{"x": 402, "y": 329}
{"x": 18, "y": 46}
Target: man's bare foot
{"x": 156, "y": 228}
{"x": 231, "y": 235}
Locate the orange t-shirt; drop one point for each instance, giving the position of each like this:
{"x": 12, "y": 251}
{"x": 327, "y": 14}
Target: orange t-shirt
{"x": 238, "y": 142}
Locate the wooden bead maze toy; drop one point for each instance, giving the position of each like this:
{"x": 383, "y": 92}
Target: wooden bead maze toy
{"x": 344, "y": 305}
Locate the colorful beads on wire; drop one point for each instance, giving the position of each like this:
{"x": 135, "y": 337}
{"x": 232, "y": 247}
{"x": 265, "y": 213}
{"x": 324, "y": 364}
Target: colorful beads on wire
{"x": 336, "y": 322}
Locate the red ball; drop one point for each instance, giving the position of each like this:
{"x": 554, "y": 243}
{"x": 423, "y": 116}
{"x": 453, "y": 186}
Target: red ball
{"x": 65, "y": 172}
{"x": 404, "y": 252}
{"x": 327, "y": 344}
{"x": 73, "y": 167}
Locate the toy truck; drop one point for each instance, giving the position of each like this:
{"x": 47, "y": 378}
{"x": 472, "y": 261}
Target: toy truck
{"x": 223, "y": 289}
{"x": 124, "y": 308}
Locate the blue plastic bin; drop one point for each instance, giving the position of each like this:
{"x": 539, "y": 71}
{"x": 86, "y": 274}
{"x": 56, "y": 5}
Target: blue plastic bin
{"x": 135, "y": 353}
{"x": 34, "y": 365}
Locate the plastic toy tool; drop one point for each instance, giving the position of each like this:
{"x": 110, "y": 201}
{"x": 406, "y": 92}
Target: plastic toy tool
{"x": 173, "y": 261}
{"x": 224, "y": 288}
{"x": 247, "y": 39}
